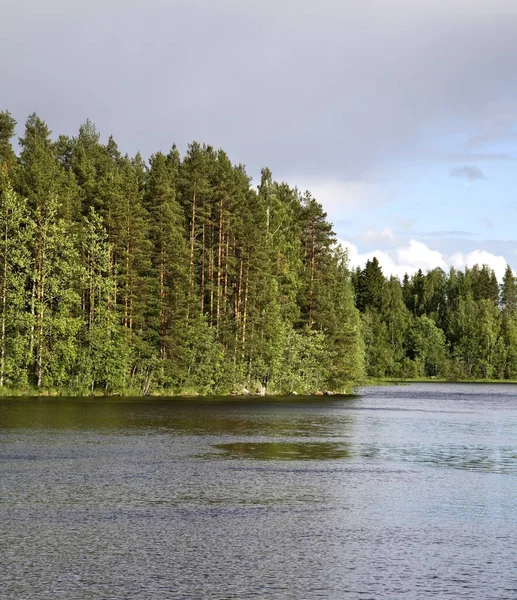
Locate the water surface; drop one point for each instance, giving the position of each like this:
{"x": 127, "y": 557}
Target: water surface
{"x": 401, "y": 492}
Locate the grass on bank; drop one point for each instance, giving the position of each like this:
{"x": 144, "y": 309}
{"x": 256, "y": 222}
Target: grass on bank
{"x": 12, "y": 391}
{"x": 67, "y": 392}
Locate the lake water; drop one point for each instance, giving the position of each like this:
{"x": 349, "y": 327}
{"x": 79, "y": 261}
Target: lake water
{"x": 401, "y": 492}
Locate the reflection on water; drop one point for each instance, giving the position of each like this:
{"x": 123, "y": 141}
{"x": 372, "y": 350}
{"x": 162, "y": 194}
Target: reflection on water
{"x": 403, "y": 492}
{"x": 282, "y": 416}
{"x": 453, "y": 456}
{"x": 285, "y": 450}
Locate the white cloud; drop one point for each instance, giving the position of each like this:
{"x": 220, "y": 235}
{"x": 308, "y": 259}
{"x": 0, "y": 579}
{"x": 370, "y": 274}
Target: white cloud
{"x": 420, "y": 256}
{"x": 479, "y": 257}
{"x": 417, "y": 255}
{"x": 387, "y": 261}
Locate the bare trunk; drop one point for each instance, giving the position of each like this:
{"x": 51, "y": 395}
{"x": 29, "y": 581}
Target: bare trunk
{"x": 40, "y": 320}
{"x": 237, "y": 308}
{"x": 225, "y": 288}
{"x": 110, "y": 300}
{"x": 191, "y": 261}
{"x": 4, "y": 310}
{"x": 128, "y": 286}
{"x": 163, "y": 321}
{"x": 219, "y": 263}
{"x": 245, "y": 307}
{"x": 203, "y": 272}
{"x": 311, "y": 285}
{"x": 211, "y": 268}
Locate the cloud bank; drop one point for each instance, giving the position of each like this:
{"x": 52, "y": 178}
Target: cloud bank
{"x": 417, "y": 255}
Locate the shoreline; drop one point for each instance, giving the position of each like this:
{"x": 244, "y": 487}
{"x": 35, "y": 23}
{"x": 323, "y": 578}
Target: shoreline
{"x": 353, "y": 390}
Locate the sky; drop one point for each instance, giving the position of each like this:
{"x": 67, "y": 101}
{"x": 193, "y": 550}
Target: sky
{"x": 399, "y": 116}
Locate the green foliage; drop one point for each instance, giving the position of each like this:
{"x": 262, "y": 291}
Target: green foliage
{"x": 439, "y": 325}
{"x": 55, "y": 300}
{"x": 426, "y": 346}
{"x": 370, "y": 287}
{"x": 302, "y": 364}
{"x": 179, "y": 275}
{"x": 204, "y": 359}
{"x": 509, "y": 292}
{"x": 16, "y": 234}
{"x": 8, "y": 160}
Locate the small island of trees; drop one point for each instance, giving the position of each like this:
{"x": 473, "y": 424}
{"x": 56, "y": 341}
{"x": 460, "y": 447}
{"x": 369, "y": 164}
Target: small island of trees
{"x": 175, "y": 275}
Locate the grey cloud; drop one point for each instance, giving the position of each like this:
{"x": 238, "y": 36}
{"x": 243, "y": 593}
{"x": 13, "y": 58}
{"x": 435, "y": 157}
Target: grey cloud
{"x": 471, "y": 173}
{"x": 339, "y": 89}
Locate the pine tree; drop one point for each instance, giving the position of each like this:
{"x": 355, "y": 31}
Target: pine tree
{"x": 167, "y": 303}
{"x": 41, "y": 174}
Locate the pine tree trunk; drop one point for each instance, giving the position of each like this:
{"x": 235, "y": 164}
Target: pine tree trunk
{"x": 237, "y": 310}
{"x": 211, "y": 269}
{"x": 238, "y": 295}
{"x": 225, "y": 261}
{"x": 33, "y": 318}
{"x": 4, "y": 309}
{"x": 128, "y": 285}
{"x": 110, "y": 301}
{"x": 92, "y": 295}
{"x": 203, "y": 272}
{"x": 163, "y": 323}
{"x": 219, "y": 263}
{"x": 191, "y": 260}
{"x": 245, "y": 307}
{"x": 40, "y": 320}
{"x": 311, "y": 285}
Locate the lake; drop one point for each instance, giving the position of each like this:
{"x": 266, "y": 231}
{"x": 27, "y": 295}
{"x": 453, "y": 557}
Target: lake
{"x": 399, "y": 492}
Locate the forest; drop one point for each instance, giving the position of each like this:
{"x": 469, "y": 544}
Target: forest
{"x": 457, "y": 325}
{"x": 120, "y": 275}
{"x": 173, "y": 275}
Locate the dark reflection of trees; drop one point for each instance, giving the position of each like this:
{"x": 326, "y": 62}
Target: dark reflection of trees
{"x": 303, "y": 418}
{"x": 286, "y": 450}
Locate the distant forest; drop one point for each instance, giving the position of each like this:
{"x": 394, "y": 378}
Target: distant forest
{"x": 175, "y": 275}
{"x": 456, "y": 325}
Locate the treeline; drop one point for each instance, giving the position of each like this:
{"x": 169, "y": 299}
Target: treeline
{"x": 118, "y": 274}
{"x": 457, "y": 325}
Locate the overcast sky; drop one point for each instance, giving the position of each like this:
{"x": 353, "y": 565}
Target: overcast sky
{"x": 400, "y": 116}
